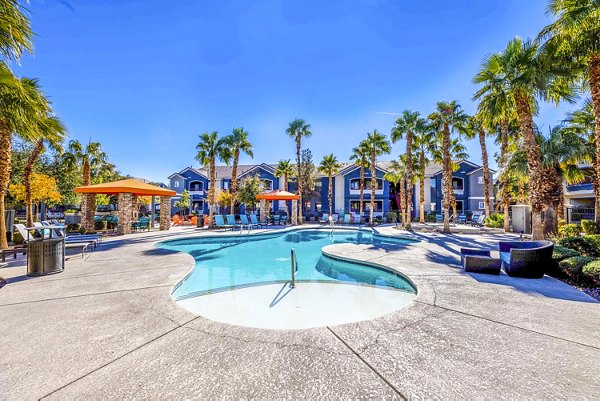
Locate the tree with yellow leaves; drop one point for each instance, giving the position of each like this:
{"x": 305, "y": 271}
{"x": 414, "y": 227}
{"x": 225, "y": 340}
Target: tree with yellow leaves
{"x": 43, "y": 189}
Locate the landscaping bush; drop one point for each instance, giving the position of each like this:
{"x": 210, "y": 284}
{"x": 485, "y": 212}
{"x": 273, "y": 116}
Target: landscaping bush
{"x": 430, "y": 218}
{"x": 573, "y": 267}
{"x": 561, "y": 252}
{"x": 589, "y": 227}
{"x": 18, "y": 238}
{"x": 496, "y": 220}
{"x": 592, "y": 271}
{"x": 391, "y": 217}
{"x": 81, "y": 230}
{"x": 587, "y": 246}
{"x": 569, "y": 230}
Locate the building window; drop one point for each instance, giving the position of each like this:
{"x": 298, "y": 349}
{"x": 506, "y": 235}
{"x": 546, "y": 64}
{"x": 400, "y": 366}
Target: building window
{"x": 226, "y": 185}
{"x": 318, "y": 206}
{"x": 457, "y": 184}
{"x": 176, "y": 184}
{"x": 355, "y": 184}
{"x": 480, "y": 180}
{"x": 432, "y": 206}
{"x": 268, "y": 184}
{"x": 481, "y": 205}
{"x": 355, "y": 206}
{"x": 196, "y": 186}
{"x": 433, "y": 182}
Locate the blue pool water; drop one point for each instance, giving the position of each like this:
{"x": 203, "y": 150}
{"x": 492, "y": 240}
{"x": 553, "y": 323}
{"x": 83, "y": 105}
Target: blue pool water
{"x": 238, "y": 260}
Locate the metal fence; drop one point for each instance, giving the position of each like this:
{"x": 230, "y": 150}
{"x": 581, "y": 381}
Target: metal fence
{"x": 576, "y": 214}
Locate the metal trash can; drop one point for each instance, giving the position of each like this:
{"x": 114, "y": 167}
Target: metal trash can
{"x": 200, "y": 221}
{"x": 45, "y": 255}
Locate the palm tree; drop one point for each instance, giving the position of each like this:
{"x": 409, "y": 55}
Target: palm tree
{"x": 458, "y": 152}
{"x": 408, "y": 125}
{"x": 377, "y": 145}
{"x": 447, "y": 119}
{"x": 575, "y": 36}
{"x": 15, "y": 30}
{"x": 296, "y": 130}
{"x": 86, "y": 158}
{"x": 424, "y": 144}
{"x": 52, "y": 133}
{"x": 561, "y": 153}
{"x": 238, "y": 142}
{"x": 361, "y": 156}
{"x": 396, "y": 174}
{"x": 22, "y": 106}
{"x": 210, "y": 148}
{"x": 285, "y": 169}
{"x": 475, "y": 128}
{"x": 528, "y": 73}
{"x": 330, "y": 166}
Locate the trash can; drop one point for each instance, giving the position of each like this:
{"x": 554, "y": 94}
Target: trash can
{"x": 45, "y": 255}
{"x": 200, "y": 221}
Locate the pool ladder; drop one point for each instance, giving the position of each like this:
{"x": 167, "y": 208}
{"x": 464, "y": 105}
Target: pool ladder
{"x": 294, "y": 266}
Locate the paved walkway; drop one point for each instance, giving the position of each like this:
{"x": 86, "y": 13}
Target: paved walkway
{"x": 107, "y": 328}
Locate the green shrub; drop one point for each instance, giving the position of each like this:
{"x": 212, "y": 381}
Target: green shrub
{"x": 589, "y": 227}
{"x": 391, "y": 217}
{"x": 584, "y": 245}
{"x": 496, "y": 220}
{"x": 569, "y": 230}
{"x": 573, "y": 267}
{"x": 560, "y": 253}
{"x": 592, "y": 271}
{"x": 81, "y": 230}
{"x": 18, "y": 238}
{"x": 430, "y": 218}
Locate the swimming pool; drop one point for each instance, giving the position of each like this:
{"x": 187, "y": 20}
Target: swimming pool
{"x": 237, "y": 261}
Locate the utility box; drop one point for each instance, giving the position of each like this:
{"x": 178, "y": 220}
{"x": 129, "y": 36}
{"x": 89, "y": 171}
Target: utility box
{"x": 521, "y": 219}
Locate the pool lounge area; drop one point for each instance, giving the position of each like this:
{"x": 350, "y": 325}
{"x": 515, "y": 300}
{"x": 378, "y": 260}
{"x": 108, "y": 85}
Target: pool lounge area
{"x": 109, "y": 327}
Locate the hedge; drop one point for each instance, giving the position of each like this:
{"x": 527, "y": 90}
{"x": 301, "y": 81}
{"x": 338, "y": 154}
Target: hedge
{"x": 587, "y": 246}
{"x": 573, "y": 267}
{"x": 592, "y": 271}
{"x": 561, "y": 252}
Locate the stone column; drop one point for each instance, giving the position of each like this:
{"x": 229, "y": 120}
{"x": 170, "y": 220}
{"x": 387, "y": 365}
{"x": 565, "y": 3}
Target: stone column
{"x": 165, "y": 213}
{"x": 88, "y": 211}
{"x": 125, "y": 213}
{"x": 295, "y": 212}
{"x": 263, "y": 211}
{"x": 135, "y": 208}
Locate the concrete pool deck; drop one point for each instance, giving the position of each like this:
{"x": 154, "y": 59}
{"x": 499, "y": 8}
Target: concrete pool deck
{"x": 107, "y": 328}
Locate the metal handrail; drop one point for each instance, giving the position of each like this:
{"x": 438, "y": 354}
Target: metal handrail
{"x": 294, "y": 267}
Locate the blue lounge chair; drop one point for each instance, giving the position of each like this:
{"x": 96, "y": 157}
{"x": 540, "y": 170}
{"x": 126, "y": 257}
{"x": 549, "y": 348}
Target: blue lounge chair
{"x": 475, "y": 218}
{"x": 347, "y": 219}
{"x": 245, "y": 222}
{"x": 284, "y": 220}
{"x": 480, "y": 220}
{"x": 255, "y": 222}
{"x": 220, "y": 222}
{"x": 324, "y": 218}
{"x": 462, "y": 219}
{"x": 276, "y": 219}
{"x": 439, "y": 218}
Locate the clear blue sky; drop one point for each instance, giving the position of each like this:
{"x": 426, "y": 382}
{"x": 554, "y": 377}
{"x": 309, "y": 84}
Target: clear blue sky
{"x": 146, "y": 77}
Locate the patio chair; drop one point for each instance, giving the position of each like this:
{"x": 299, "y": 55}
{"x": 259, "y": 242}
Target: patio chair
{"x": 219, "y": 222}
{"x": 356, "y": 218}
{"x": 230, "y": 220}
{"x": 528, "y": 259}
{"x": 324, "y": 218}
{"x": 255, "y": 222}
{"x": 480, "y": 220}
{"x": 144, "y": 224}
{"x": 347, "y": 219}
{"x": 439, "y": 218}
{"x": 479, "y": 261}
{"x": 176, "y": 220}
{"x": 474, "y": 218}
{"x": 284, "y": 220}
{"x": 245, "y": 222}
{"x": 462, "y": 219}
{"x": 276, "y": 219}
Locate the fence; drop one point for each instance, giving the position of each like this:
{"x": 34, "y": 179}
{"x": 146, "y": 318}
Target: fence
{"x": 576, "y": 214}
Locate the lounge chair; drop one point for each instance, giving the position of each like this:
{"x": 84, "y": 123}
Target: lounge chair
{"x": 479, "y": 222}
{"x": 284, "y": 220}
{"x": 220, "y": 222}
{"x": 462, "y": 219}
{"x": 527, "y": 259}
{"x": 143, "y": 224}
{"x": 439, "y": 218}
{"x": 245, "y": 222}
{"x": 356, "y": 218}
{"x": 230, "y": 221}
{"x": 177, "y": 220}
{"x": 255, "y": 222}
{"x": 324, "y": 218}
{"x": 347, "y": 219}
{"x": 276, "y": 219}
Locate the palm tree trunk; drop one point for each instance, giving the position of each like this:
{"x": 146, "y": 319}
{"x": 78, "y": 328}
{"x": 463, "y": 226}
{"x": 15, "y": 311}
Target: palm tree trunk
{"x": 233, "y": 190}
{"x": 88, "y": 205}
{"x": 549, "y": 184}
{"x": 523, "y": 103}
{"x": 409, "y": 179}
{"x": 503, "y": 153}
{"x": 362, "y": 192}
{"x": 211, "y": 192}
{"x": 373, "y": 185}
{"x": 330, "y": 194}
{"x": 5, "y": 157}
{"x": 35, "y": 153}
{"x": 298, "y": 147}
{"x": 447, "y": 178}
{"x": 594, "y": 76}
{"x": 486, "y": 172}
{"x": 285, "y": 188}
{"x": 422, "y": 188}
{"x": 403, "y": 203}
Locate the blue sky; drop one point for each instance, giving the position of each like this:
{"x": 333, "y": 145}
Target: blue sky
{"x": 146, "y": 77}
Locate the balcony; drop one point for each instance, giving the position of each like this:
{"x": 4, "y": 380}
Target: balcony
{"x": 366, "y": 192}
{"x": 199, "y": 192}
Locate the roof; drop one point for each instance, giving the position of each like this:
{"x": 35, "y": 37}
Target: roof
{"x": 129, "y": 185}
{"x": 278, "y": 194}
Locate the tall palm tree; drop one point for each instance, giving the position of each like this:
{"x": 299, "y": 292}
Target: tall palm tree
{"x": 361, "y": 156}
{"x": 238, "y": 142}
{"x": 562, "y": 151}
{"x": 458, "y": 152}
{"x": 377, "y": 145}
{"x": 424, "y": 144}
{"x": 330, "y": 166}
{"x": 298, "y": 129}
{"x": 528, "y": 73}
{"x": 209, "y": 149}
{"x": 86, "y": 158}
{"x": 22, "y": 106}
{"x": 52, "y": 133}
{"x": 285, "y": 169}
{"x": 476, "y": 128}
{"x": 408, "y": 125}
{"x": 15, "y": 30}
{"x": 575, "y": 36}
{"x": 447, "y": 119}
{"x": 396, "y": 174}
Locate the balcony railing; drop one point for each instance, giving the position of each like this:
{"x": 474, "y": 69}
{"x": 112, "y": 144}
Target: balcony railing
{"x": 199, "y": 192}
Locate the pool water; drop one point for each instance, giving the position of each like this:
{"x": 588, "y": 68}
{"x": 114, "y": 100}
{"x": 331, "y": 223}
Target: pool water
{"x": 227, "y": 262}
